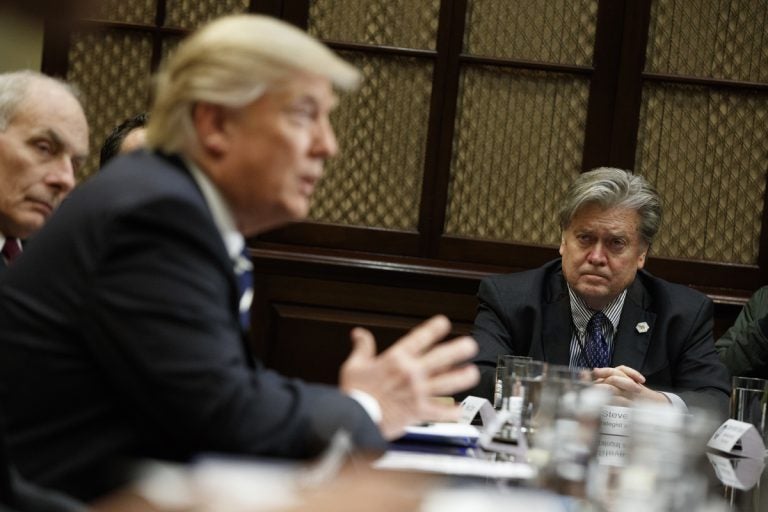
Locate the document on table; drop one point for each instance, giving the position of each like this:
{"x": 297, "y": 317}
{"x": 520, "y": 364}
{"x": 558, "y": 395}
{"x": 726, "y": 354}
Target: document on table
{"x": 444, "y": 433}
{"x": 454, "y": 465}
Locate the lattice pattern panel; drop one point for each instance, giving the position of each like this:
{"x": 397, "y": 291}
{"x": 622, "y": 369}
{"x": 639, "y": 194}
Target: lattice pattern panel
{"x": 112, "y": 69}
{"x": 709, "y": 38}
{"x": 402, "y": 23}
{"x": 382, "y": 129}
{"x": 169, "y": 45}
{"x": 190, "y": 14}
{"x": 558, "y": 31}
{"x": 141, "y": 12}
{"x": 518, "y": 145}
{"x": 707, "y": 152}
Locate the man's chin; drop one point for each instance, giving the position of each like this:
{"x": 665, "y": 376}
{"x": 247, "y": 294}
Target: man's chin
{"x": 594, "y": 295}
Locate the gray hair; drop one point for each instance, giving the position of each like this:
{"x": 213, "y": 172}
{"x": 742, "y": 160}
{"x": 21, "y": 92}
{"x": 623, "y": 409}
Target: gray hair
{"x": 609, "y": 187}
{"x": 231, "y": 62}
{"x": 15, "y": 86}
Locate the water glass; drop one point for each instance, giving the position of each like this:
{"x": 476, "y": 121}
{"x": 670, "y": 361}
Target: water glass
{"x": 749, "y": 398}
{"x": 502, "y": 363}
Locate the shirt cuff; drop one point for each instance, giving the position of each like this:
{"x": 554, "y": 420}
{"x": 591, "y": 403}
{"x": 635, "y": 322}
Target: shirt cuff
{"x": 367, "y": 402}
{"x": 675, "y": 401}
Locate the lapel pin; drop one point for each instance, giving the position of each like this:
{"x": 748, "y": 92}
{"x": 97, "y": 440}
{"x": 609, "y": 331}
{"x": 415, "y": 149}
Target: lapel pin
{"x": 642, "y": 327}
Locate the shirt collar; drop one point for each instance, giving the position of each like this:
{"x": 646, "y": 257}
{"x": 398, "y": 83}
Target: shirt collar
{"x": 581, "y": 313}
{"x": 222, "y": 214}
{"x": 2, "y": 241}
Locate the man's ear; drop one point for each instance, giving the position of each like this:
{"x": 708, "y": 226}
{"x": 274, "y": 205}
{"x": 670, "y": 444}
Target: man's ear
{"x": 643, "y": 256}
{"x": 210, "y": 122}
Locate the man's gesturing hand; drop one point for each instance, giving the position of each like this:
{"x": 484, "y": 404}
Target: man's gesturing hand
{"x": 406, "y": 378}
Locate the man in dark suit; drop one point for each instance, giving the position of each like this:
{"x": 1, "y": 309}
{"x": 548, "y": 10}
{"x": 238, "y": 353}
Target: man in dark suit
{"x": 132, "y": 344}
{"x": 596, "y": 308}
{"x": 43, "y": 141}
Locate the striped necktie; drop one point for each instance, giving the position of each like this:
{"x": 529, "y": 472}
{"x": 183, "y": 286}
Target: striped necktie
{"x": 244, "y": 276}
{"x": 595, "y": 344}
{"x": 11, "y": 250}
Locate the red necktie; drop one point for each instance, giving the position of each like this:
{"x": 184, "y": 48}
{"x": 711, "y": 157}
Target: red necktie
{"x": 11, "y": 249}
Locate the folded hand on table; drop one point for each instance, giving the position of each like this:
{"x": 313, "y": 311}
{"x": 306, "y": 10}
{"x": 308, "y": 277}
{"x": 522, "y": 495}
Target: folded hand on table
{"x": 626, "y": 384}
{"x": 408, "y": 376}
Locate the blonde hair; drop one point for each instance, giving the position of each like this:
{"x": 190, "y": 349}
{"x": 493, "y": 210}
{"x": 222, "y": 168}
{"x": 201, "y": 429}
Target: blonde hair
{"x": 231, "y": 62}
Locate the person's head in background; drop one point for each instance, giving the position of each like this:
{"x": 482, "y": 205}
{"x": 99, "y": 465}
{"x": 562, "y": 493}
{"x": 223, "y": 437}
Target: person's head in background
{"x": 127, "y": 136}
{"x": 608, "y": 220}
{"x": 247, "y": 99}
{"x": 43, "y": 142}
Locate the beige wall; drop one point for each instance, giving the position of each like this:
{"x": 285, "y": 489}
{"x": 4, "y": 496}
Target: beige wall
{"x": 21, "y": 42}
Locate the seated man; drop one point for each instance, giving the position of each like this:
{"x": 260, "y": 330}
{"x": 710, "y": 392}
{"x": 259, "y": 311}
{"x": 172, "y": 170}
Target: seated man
{"x": 596, "y": 308}
{"x": 43, "y": 141}
{"x": 744, "y": 347}
{"x": 129, "y": 135}
{"x": 133, "y": 343}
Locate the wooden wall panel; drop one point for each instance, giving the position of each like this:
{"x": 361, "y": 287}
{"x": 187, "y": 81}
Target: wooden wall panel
{"x": 304, "y": 309}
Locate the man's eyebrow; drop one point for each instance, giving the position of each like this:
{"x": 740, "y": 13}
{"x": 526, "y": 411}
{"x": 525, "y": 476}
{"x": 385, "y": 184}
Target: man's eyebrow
{"x": 55, "y": 137}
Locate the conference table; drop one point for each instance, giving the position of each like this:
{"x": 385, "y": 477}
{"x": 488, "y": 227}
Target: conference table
{"x": 349, "y": 481}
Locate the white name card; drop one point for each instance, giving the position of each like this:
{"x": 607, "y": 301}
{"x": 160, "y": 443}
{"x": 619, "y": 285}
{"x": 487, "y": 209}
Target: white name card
{"x": 612, "y": 450}
{"x": 738, "y": 438}
{"x": 615, "y": 420}
{"x": 472, "y": 405}
{"x": 738, "y": 473}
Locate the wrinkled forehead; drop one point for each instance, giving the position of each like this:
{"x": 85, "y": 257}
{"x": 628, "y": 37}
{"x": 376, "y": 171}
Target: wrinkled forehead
{"x": 52, "y": 113}
{"x": 616, "y": 219}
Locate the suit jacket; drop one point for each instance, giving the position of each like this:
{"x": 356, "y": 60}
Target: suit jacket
{"x": 744, "y": 347}
{"x": 529, "y": 313}
{"x": 121, "y": 339}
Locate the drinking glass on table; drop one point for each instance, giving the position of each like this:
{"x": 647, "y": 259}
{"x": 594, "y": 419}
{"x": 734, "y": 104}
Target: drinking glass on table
{"x": 502, "y": 363}
{"x": 524, "y": 383}
{"x": 749, "y": 403}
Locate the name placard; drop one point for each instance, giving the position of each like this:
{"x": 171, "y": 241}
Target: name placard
{"x": 736, "y": 472}
{"x": 738, "y": 438}
{"x": 612, "y": 450}
{"x": 472, "y": 405}
{"x": 615, "y": 420}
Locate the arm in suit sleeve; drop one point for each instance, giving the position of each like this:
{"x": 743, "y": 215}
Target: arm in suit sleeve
{"x": 492, "y": 336}
{"x": 744, "y": 347}
{"x": 161, "y": 327}
{"x": 698, "y": 370}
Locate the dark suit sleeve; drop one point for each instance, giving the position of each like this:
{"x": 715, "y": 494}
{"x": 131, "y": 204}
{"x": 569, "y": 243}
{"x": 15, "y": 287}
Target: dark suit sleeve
{"x": 161, "y": 327}
{"x": 699, "y": 370}
{"x": 492, "y": 337}
{"x": 744, "y": 347}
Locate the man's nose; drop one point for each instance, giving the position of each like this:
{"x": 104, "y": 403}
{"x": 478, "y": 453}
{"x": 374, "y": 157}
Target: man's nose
{"x": 325, "y": 143}
{"x": 597, "y": 254}
{"x": 62, "y": 176}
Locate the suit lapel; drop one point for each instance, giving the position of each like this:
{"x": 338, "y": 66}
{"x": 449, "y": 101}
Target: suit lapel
{"x": 557, "y": 329}
{"x": 631, "y": 345}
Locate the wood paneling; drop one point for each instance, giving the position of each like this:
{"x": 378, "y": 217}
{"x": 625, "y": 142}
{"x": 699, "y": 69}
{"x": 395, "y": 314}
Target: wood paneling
{"x": 305, "y": 307}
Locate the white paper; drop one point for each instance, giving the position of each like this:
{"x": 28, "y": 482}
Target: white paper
{"x": 612, "y": 450}
{"x": 738, "y": 438}
{"x": 738, "y": 473}
{"x": 615, "y": 420}
{"x": 454, "y": 465}
{"x": 471, "y": 405}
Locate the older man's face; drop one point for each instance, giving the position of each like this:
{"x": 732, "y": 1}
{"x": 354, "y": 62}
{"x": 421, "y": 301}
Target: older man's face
{"x": 602, "y": 250}
{"x": 40, "y": 151}
{"x": 272, "y": 152}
